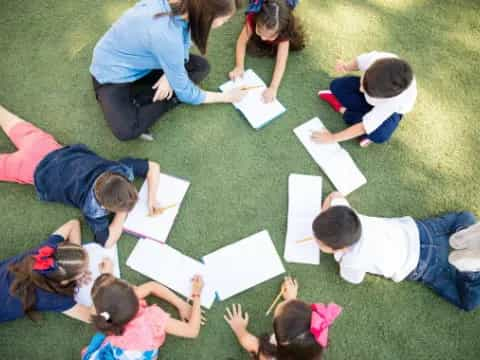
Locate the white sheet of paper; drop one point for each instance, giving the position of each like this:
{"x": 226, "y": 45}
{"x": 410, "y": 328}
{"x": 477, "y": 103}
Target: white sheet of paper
{"x": 252, "y": 106}
{"x": 96, "y": 254}
{"x": 243, "y": 264}
{"x": 171, "y": 190}
{"x": 335, "y": 161}
{"x": 304, "y": 204}
{"x": 171, "y": 268}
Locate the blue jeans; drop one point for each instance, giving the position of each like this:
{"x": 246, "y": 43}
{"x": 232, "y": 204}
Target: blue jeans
{"x": 433, "y": 270}
{"x": 347, "y": 91}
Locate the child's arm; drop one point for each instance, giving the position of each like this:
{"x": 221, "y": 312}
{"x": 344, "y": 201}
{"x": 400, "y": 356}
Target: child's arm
{"x": 153, "y": 176}
{"x": 239, "y": 324}
{"x": 160, "y": 291}
{"x": 344, "y": 67}
{"x": 326, "y": 137}
{"x": 328, "y": 200}
{"x": 79, "y": 312}
{"x": 70, "y": 231}
{"x": 240, "y": 51}
{"x": 115, "y": 229}
{"x": 280, "y": 65}
{"x": 189, "y": 329}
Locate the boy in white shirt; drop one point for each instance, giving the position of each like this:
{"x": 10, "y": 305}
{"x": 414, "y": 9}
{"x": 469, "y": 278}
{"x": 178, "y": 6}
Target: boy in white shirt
{"x": 402, "y": 248}
{"x": 374, "y": 103}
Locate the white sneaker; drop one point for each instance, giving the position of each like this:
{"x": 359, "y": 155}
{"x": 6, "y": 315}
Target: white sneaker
{"x": 147, "y": 137}
{"x": 465, "y": 260}
{"x": 468, "y": 238}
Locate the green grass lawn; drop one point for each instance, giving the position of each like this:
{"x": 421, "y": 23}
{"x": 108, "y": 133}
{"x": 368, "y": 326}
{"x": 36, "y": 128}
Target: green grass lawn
{"x": 239, "y": 175}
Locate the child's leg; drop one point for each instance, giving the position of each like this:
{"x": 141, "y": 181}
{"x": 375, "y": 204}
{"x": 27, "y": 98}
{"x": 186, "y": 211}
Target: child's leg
{"x": 8, "y": 120}
{"x": 434, "y": 270}
{"x": 385, "y": 131}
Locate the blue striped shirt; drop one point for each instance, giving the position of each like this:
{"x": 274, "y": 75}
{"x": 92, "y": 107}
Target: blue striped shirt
{"x": 138, "y": 43}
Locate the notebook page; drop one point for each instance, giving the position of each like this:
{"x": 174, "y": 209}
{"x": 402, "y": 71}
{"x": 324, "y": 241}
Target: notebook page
{"x": 171, "y": 191}
{"x": 252, "y": 106}
{"x": 96, "y": 254}
{"x": 243, "y": 264}
{"x": 171, "y": 268}
{"x": 332, "y": 158}
{"x": 304, "y": 203}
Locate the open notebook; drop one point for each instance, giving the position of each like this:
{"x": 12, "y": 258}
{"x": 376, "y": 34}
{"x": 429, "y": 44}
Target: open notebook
{"x": 96, "y": 254}
{"x": 334, "y": 160}
{"x": 226, "y": 272}
{"x": 171, "y": 191}
{"x": 252, "y": 106}
{"x": 304, "y": 204}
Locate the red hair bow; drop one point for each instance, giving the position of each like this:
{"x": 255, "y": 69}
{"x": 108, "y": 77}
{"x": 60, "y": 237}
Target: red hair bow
{"x": 44, "y": 259}
{"x": 323, "y": 317}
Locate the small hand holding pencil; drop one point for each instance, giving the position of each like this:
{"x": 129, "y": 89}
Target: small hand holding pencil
{"x": 156, "y": 210}
{"x": 288, "y": 291}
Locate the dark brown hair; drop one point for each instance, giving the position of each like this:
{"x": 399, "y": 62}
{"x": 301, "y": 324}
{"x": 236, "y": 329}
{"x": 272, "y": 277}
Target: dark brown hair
{"x": 70, "y": 259}
{"x": 387, "y": 78}
{"x": 337, "y": 227}
{"x": 116, "y": 304}
{"x": 115, "y": 193}
{"x": 201, "y": 14}
{"x": 292, "y": 333}
{"x": 276, "y": 15}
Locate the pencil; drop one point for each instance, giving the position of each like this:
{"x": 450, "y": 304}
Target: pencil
{"x": 274, "y": 303}
{"x": 161, "y": 210}
{"x": 250, "y": 87}
{"x": 304, "y": 240}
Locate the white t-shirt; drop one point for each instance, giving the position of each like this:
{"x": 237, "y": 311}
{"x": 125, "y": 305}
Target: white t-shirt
{"x": 388, "y": 246}
{"x": 383, "y": 108}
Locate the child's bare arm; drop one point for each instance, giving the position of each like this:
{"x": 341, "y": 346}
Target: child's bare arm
{"x": 328, "y": 200}
{"x": 70, "y": 231}
{"x": 280, "y": 64}
{"x": 116, "y": 228}
{"x": 343, "y": 67}
{"x": 326, "y": 137}
{"x": 239, "y": 323}
{"x": 153, "y": 176}
{"x": 79, "y": 312}
{"x": 240, "y": 51}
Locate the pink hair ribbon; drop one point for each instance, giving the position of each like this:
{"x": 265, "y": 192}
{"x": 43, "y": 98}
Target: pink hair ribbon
{"x": 44, "y": 260}
{"x": 323, "y": 317}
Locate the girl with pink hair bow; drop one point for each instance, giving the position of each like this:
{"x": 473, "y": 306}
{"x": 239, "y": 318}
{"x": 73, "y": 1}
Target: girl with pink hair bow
{"x": 300, "y": 329}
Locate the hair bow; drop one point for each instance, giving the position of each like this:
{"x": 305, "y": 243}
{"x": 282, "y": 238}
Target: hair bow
{"x": 43, "y": 259}
{"x": 254, "y": 6}
{"x": 323, "y": 317}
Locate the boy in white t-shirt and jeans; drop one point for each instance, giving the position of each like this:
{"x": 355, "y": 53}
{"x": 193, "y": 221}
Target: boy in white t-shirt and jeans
{"x": 372, "y": 104}
{"x": 404, "y": 248}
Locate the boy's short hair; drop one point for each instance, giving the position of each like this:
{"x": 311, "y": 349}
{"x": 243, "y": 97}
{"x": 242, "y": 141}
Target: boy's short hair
{"x": 115, "y": 193}
{"x": 337, "y": 227}
{"x": 387, "y": 78}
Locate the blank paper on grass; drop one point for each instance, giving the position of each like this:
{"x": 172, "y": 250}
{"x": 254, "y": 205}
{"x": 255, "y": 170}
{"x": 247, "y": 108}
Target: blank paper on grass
{"x": 334, "y": 160}
{"x": 171, "y": 191}
{"x": 243, "y": 264}
{"x": 96, "y": 254}
{"x": 252, "y": 106}
{"x": 304, "y": 204}
{"x": 171, "y": 268}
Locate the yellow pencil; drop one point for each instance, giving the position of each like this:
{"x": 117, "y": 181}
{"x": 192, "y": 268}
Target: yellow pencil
{"x": 304, "y": 240}
{"x": 250, "y": 87}
{"x": 274, "y": 303}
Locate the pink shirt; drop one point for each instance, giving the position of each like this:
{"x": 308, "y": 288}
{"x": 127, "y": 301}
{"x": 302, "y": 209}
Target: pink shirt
{"x": 145, "y": 332}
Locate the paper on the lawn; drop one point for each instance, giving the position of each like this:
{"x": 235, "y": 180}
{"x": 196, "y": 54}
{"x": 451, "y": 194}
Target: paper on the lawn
{"x": 171, "y": 268}
{"x": 304, "y": 204}
{"x": 96, "y": 254}
{"x": 243, "y": 264}
{"x": 332, "y": 158}
{"x": 252, "y": 106}
{"x": 171, "y": 191}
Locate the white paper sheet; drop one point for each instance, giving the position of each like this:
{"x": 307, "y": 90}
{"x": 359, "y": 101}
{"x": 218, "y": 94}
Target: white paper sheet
{"x": 332, "y": 158}
{"x": 96, "y": 254}
{"x": 243, "y": 264}
{"x": 252, "y": 106}
{"x": 304, "y": 204}
{"x": 171, "y": 191}
{"x": 171, "y": 268}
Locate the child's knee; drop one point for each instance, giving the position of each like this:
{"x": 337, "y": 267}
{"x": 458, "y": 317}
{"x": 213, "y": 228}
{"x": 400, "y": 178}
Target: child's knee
{"x": 465, "y": 219}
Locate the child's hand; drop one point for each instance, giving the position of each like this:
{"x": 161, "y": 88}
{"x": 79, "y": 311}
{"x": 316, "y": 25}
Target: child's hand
{"x": 322, "y": 137}
{"x": 236, "y": 73}
{"x": 197, "y": 285}
{"x": 236, "y": 95}
{"x": 289, "y": 288}
{"x": 341, "y": 66}
{"x": 85, "y": 279}
{"x": 106, "y": 266}
{"x": 154, "y": 208}
{"x": 236, "y": 320}
{"x": 269, "y": 95}
{"x": 163, "y": 89}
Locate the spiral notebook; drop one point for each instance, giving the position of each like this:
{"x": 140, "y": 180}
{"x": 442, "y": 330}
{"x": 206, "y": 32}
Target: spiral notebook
{"x": 257, "y": 113}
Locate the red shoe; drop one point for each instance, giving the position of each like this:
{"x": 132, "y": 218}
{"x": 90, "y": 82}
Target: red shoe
{"x": 326, "y": 95}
